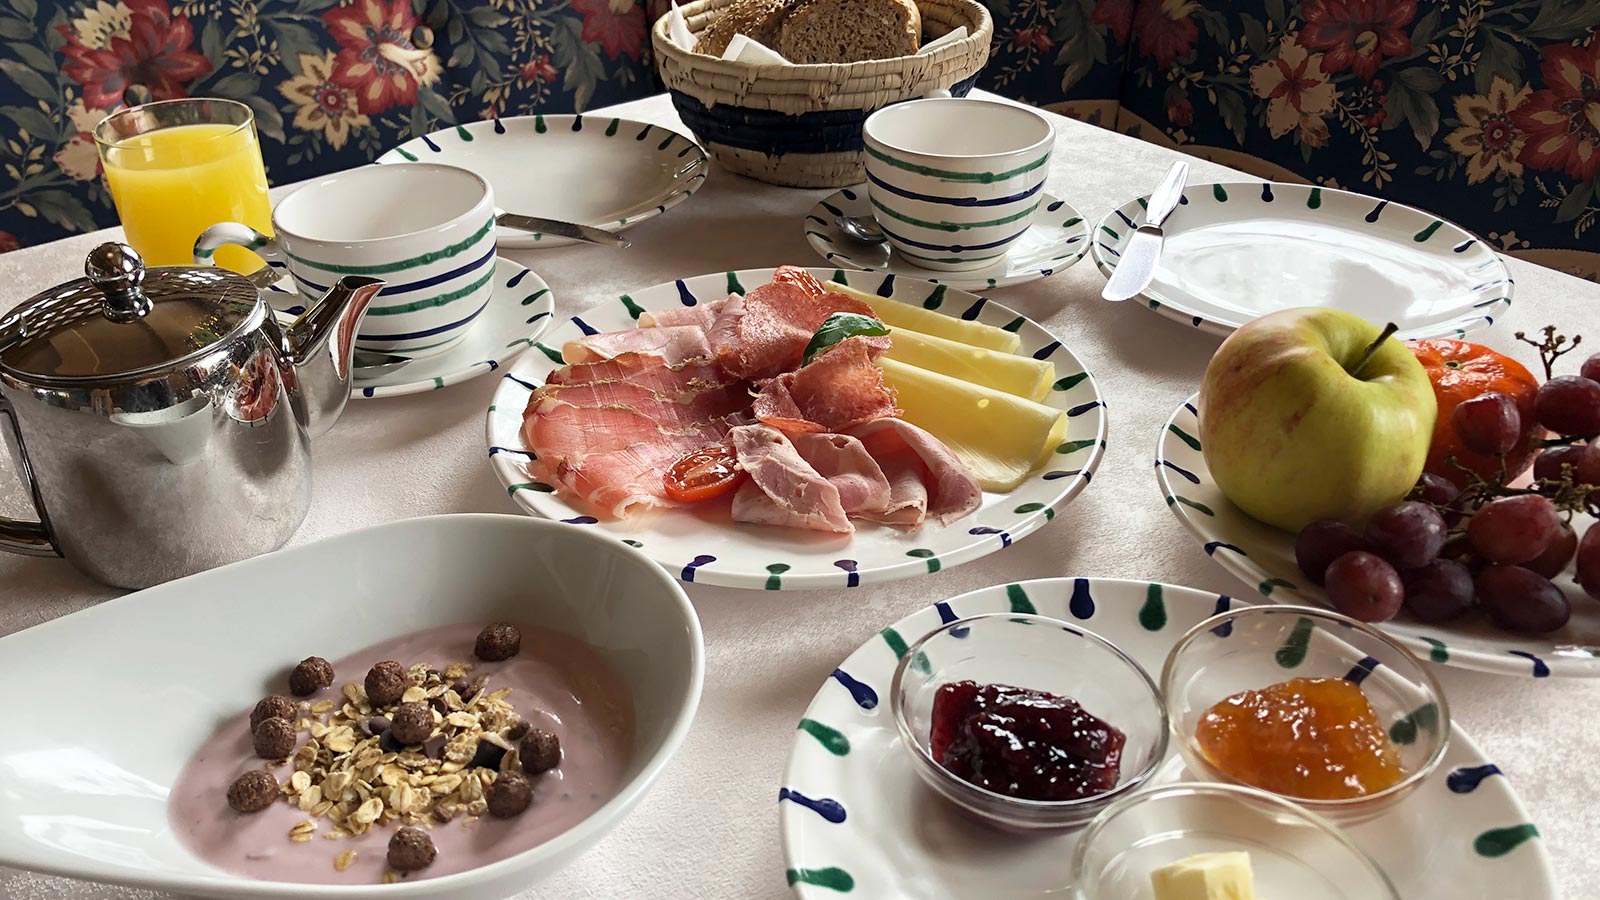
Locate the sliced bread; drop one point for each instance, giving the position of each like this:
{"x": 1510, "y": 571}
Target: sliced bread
{"x": 759, "y": 20}
{"x": 843, "y": 31}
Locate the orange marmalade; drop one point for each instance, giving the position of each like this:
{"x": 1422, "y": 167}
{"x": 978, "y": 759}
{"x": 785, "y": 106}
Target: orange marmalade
{"x": 1312, "y": 738}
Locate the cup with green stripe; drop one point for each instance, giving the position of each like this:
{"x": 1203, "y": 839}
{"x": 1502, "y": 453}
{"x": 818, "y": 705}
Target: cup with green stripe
{"x": 426, "y": 229}
{"x": 955, "y": 182}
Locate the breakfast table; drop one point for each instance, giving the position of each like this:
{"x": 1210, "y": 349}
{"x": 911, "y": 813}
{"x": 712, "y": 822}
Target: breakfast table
{"x": 710, "y": 827}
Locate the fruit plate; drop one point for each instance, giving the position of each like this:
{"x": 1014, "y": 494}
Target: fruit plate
{"x": 854, "y": 816}
{"x": 1263, "y": 557}
{"x": 549, "y": 166}
{"x": 1237, "y": 251}
{"x": 706, "y": 546}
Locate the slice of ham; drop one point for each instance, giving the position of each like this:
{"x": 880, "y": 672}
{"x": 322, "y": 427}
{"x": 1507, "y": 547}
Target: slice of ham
{"x": 608, "y": 430}
{"x": 645, "y": 369}
{"x": 801, "y": 279}
{"x": 675, "y": 345}
{"x": 701, "y": 315}
{"x": 836, "y": 391}
{"x": 767, "y": 334}
{"x": 925, "y": 477}
{"x": 845, "y": 462}
{"x": 783, "y": 488}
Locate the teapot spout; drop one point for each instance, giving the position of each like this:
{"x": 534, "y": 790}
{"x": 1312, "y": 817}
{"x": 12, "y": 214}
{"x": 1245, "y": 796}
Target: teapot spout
{"x": 321, "y": 346}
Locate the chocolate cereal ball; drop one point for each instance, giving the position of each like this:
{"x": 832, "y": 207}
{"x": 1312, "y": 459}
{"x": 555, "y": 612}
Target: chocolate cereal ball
{"x": 411, "y": 849}
{"x": 540, "y": 751}
{"x": 497, "y": 642}
{"x": 273, "y": 739}
{"x": 412, "y": 723}
{"x": 312, "y": 674}
{"x": 274, "y": 707}
{"x": 509, "y": 795}
{"x": 386, "y": 682}
{"x": 253, "y": 791}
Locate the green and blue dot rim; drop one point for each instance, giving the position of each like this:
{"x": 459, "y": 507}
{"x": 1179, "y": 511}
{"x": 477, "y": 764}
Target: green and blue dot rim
{"x": 1487, "y": 301}
{"x": 1004, "y": 519}
{"x": 1262, "y": 558}
{"x": 1069, "y": 244}
{"x": 679, "y": 155}
{"x": 827, "y": 855}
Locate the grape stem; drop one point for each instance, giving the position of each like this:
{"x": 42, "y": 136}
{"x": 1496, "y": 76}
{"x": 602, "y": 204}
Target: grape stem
{"x": 1366, "y": 355}
{"x": 1551, "y": 348}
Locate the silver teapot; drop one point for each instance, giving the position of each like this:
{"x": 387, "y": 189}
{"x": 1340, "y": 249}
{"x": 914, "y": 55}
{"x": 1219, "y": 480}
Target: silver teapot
{"x": 163, "y": 417}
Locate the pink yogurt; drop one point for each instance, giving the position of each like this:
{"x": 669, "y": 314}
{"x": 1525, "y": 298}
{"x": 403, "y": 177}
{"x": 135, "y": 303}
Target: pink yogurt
{"x": 558, "y": 683}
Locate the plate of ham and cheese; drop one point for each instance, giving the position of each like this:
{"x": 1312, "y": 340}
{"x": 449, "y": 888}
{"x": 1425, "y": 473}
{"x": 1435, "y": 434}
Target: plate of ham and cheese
{"x": 797, "y": 428}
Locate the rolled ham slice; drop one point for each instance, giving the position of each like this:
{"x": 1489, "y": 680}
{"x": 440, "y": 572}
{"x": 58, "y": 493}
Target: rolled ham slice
{"x": 783, "y": 488}
{"x": 845, "y": 462}
{"x": 925, "y": 477}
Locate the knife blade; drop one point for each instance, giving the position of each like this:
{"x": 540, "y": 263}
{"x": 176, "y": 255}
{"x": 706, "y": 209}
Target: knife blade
{"x": 1137, "y": 264}
{"x": 586, "y": 233}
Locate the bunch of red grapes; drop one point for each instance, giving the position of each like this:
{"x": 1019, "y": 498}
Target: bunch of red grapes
{"x": 1447, "y": 549}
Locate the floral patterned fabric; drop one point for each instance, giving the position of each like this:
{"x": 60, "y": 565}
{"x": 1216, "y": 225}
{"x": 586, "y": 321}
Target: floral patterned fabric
{"x": 1486, "y": 112}
{"x": 333, "y": 83}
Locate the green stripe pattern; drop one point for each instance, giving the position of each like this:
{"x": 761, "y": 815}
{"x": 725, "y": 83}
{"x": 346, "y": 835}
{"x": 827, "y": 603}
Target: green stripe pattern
{"x": 951, "y": 175}
{"x": 401, "y": 265}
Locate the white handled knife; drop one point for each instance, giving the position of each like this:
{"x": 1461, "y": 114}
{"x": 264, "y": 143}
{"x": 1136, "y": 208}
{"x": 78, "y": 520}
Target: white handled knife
{"x": 1137, "y": 265}
{"x": 586, "y": 233}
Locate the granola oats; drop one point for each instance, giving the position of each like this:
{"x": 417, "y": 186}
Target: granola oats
{"x": 345, "y": 776}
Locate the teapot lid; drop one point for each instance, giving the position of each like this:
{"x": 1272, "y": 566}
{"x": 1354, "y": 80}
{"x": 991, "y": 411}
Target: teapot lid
{"x": 124, "y": 319}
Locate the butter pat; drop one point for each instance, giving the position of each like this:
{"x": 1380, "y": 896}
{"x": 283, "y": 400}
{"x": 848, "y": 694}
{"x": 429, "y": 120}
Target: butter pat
{"x": 1206, "y": 876}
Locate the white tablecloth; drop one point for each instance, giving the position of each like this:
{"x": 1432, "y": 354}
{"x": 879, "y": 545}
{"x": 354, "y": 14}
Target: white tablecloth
{"x": 709, "y": 828}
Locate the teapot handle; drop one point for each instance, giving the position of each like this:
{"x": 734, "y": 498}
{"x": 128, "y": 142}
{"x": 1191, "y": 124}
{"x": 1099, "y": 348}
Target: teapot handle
{"x": 16, "y": 535}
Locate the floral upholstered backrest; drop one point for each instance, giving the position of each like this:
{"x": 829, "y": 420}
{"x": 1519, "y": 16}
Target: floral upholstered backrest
{"x": 333, "y": 83}
{"x": 1486, "y": 112}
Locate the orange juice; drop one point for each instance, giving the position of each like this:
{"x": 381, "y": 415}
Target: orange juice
{"x": 172, "y": 183}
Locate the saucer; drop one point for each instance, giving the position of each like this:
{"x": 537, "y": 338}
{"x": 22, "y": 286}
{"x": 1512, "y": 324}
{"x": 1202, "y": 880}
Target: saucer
{"x": 518, "y": 312}
{"x": 1059, "y": 237}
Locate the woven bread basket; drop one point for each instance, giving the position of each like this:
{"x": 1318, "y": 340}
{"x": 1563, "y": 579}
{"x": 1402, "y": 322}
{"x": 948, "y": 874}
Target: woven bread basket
{"x": 800, "y": 125}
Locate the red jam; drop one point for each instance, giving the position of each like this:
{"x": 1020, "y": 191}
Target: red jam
{"x": 1024, "y": 743}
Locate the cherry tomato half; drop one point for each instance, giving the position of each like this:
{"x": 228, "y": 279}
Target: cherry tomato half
{"x": 703, "y": 475}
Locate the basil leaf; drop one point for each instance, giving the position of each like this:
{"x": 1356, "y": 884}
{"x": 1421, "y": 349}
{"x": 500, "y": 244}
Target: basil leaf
{"x": 839, "y": 326}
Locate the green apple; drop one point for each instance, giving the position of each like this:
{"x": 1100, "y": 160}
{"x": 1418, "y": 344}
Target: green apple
{"x": 1299, "y": 422}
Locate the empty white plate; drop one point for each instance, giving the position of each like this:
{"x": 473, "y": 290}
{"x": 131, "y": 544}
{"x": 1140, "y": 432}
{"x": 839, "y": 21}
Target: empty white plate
{"x": 593, "y": 170}
{"x": 1236, "y": 251}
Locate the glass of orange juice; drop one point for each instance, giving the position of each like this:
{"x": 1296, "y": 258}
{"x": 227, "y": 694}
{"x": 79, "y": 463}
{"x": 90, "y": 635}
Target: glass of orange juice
{"x": 177, "y": 167}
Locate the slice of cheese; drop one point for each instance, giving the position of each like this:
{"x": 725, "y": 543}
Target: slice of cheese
{"x": 1001, "y": 437}
{"x": 1020, "y": 375}
{"x": 1206, "y": 876}
{"x": 903, "y": 315}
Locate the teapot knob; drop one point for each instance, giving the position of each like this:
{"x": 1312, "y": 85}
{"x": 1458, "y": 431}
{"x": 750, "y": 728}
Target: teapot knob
{"x": 117, "y": 270}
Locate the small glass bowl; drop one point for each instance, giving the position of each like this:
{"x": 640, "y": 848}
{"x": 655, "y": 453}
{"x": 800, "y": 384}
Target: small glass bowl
{"x": 1042, "y": 654}
{"x": 1254, "y": 647}
{"x": 1293, "y": 853}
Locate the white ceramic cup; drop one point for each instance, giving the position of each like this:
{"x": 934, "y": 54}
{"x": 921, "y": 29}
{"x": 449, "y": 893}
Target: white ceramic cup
{"x": 427, "y": 230}
{"x": 954, "y": 182}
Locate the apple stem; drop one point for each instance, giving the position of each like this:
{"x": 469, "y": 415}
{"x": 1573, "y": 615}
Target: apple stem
{"x": 1366, "y": 356}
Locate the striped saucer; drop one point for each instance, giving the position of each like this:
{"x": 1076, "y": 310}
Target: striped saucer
{"x": 1057, "y": 238}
